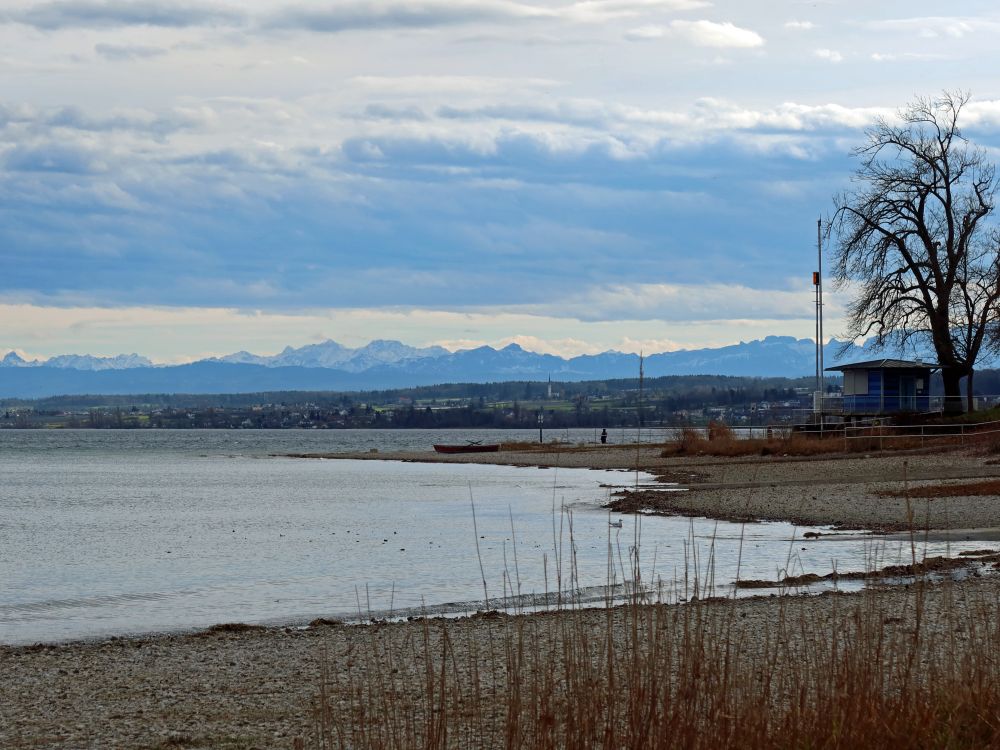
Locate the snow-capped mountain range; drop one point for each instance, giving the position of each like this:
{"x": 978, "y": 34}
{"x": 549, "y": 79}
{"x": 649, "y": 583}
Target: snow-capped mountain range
{"x": 85, "y": 362}
{"x": 338, "y": 357}
{"x": 391, "y": 364}
{"x": 769, "y": 356}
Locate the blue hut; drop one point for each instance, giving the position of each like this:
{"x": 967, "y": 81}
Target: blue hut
{"x": 885, "y": 386}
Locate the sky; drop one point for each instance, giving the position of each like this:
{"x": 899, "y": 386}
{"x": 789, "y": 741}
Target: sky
{"x": 187, "y": 179}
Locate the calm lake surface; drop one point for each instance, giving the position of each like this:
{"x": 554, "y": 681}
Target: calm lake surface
{"x": 124, "y": 532}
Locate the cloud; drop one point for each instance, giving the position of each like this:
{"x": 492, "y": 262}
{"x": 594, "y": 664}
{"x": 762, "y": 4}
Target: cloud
{"x": 830, "y": 55}
{"x": 68, "y": 14}
{"x": 397, "y": 14}
{"x": 54, "y": 157}
{"x": 387, "y": 194}
{"x": 933, "y": 27}
{"x": 380, "y": 111}
{"x": 680, "y": 302}
{"x": 119, "y": 52}
{"x": 645, "y": 33}
{"x": 800, "y": 25}
{"x": 427, "y": 86}
{"x": 406, "y": 14}
{"x": 906, "y": 56}
{"x": 701, "y": 33}
{"x": 44, "y": 123}
{"x": 182, "y": 334}
{"x": 361, "y": 15}
{"x": 566, "y": 347}
{"x": 646, "y": 130}
{"x": 605, "y": 10}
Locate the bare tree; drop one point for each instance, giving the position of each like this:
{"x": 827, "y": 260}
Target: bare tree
{"x": 914, "y": 240}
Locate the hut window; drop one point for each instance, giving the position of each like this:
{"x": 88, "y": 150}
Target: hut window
{"x": 920, "y": 384}
{"x": 856, "y": 383}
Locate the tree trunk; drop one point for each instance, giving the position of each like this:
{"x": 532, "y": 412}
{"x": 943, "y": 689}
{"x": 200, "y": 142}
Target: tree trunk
{"x": 968, "y": 385}
{"x": 952, "y": 378}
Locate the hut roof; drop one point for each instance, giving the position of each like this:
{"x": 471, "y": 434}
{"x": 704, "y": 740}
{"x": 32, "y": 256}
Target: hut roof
{"x": 885, "y": 364}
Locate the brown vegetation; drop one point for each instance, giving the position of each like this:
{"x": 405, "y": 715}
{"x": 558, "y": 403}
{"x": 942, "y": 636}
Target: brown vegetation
{"x": 986, "y": 487}
{"x": 692, "y": 676}
{"x": 719, "y": 440}
{"x": 232, "y": 627}
{"x": 907, "y": 570}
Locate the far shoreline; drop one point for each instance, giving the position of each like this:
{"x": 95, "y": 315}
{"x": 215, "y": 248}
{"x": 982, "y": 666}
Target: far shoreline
{"x": 845, "y": 491}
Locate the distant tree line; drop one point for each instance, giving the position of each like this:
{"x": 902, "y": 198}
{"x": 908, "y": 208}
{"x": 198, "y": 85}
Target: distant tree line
{"x": 668, "y": 400}
{"x": 687, "y": 389}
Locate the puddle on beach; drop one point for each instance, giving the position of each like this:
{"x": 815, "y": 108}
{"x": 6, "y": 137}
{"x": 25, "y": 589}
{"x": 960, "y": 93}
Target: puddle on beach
{"x": 117, "y": 542}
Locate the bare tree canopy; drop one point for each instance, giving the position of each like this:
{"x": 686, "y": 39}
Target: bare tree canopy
{"x": 914, "y": 239}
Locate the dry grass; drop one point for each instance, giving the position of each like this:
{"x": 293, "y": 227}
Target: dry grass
{"x": 694, "y": 676}
{"x": 878, "y": 669}
{"x": 719, "y": 440}
{"x": 986, "y": 487}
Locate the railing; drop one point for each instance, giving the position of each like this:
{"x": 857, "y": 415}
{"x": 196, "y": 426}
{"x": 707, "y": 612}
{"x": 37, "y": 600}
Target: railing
{"x": 922, "y": 404}
{"x": 980, "y": 403}
{"x": 832, "y": 404}
{"x": 962, "y": 432}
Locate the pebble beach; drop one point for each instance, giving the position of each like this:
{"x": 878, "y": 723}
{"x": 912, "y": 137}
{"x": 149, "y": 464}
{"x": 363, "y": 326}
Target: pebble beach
{"x": 255, "y": 687}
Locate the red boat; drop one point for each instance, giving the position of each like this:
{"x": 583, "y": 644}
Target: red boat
{"x": 468, "y": 448}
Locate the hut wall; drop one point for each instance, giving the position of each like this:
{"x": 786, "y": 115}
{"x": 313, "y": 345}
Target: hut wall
{"x": 886, "y": 393}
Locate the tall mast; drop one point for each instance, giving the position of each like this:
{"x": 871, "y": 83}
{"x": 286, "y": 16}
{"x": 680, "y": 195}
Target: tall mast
{"x": 819, "y": 291}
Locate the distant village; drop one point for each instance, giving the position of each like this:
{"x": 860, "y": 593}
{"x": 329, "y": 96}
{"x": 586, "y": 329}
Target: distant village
{"x": 522, "y": 405}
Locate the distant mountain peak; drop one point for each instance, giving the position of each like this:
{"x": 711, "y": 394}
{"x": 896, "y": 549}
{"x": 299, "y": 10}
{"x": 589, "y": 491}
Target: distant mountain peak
{"x": 13, "y": 359}
{"x": 79, "y": 362}
{"x": 330, "y": 354}
{"x": 90, "y": 362}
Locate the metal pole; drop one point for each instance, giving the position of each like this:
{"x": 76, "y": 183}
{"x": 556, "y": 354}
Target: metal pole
{"x": 819, "y": 316}
{"x": 819, "y": 252}
{"x": 816, "y": 294}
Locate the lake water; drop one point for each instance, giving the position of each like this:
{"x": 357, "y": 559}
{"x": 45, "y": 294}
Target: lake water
{"x": 123, "y": 532}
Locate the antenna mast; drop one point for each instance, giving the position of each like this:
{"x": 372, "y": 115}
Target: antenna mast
{"x": 819, "y": 257}
{"x": 818, "y": 285}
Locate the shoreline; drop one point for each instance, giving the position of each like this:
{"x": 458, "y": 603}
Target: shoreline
{"x": 846, "y": 491}
{"x": 248, "y": 686}
{"x": 251, "y": 686}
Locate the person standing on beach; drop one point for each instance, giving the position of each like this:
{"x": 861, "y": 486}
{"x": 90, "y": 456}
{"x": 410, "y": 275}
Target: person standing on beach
{"x": 604, "y": 436}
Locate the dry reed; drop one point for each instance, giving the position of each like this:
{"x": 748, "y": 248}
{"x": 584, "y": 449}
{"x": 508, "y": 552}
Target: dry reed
{"x": 905, "y": 668}
{"x": 719, "y": 440}
{"x": 910, "y": 666}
